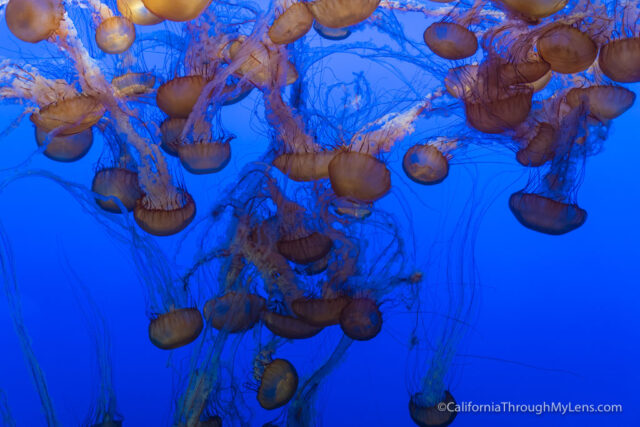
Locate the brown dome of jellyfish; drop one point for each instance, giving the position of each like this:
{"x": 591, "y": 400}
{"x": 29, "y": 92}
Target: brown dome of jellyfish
{"x": 496, "y": 115}
{"x": 177, "y": 10}
{"x": 234, "y": 311}
{"x": 359, "y": 176}
{"x": 136, "y": 12}
{"x": 170, "y": 131}
{"x": 535, "y": 9}
{"x": 66, "y": 148}
{"x": 305, "y": 167}
{"x": 307, "y": 249}
{"x": 164, "y": 222}
{"x": 33, "y": 20}
{"x": 331, "y": 33}
{"x": 433, "y": 416}
{"x": 175, "y": 328}
{"x": 450, "y": 41}
{"x": 115, "y": 35}
{"x": 567, "y": 49}
{"x": 534, "y": 74}
{"x": 352, "y": 209}
{"x": 177, "y": 97}
{"x": 603, "y": 102}
{"x": 540, "y": 148}
{"x": 342, "y": 13}
{"x": 620, "y": 60}
{"x": 294, "y": 23}
{"x": 361, "y": 320}
{"x": 204, "y": 157}
{"x": 278, "y": 384}
{"x": 117, "y": 182}
{"x": 289, "y": 327}
{"x": 134, "y": 84}
{"x": 320, "y": 311}
{"x": 546, "y": 215}
{"x": 69, "y": 116}
{"x": 425, "y": 164}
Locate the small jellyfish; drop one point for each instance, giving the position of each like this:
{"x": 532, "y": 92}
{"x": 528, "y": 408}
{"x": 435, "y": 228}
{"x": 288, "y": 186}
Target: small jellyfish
{"x": 425, "y": 164}
{"x": 204, "y": 156}
{"x": 534, "y": 9}
{"x": 132, "y": 85}
{"x": 359, "y": 176}
{"x": 546, "y": 215}
{"x": 33, "y": 20}
{"x": 69, "y": 116}
{"x": 342, "y": 13}
{"x": 305, "y": 167}
{"x": 115, "y": 35}
{"x": 176, "y": 10}
{"x": 234, "y": 311}
{"x": 170, "y": 132}
{"x": 306, "y": 249}
{"x": 65, "y": 148}
{"x": 620, "y": 60}
{"x": 289, "y": 327}
{"x": 292, "y": 24}
{"x": 439, "y": 415}
{"x": 117, "y": 182}
{"x": 500, "y": 113}
{"x": 136, "y": 12}
{"x": 567, "y": 49}
{"x": 352, "y": 209}
{"x": 450, "y": 40}
{"x": 361, "y": 319}
{"x": 176, "y": 328}
{"x": 605, "y": 102}
{"x": 534, "y": 74}
{"x": 178, "y": 96}
{"x": 320, "y": 311}
{"x": 540, "y": 148}
{"x": 165, "y": 220}
{"x": 331, "y": 33}
{"x": 278, "y": 384}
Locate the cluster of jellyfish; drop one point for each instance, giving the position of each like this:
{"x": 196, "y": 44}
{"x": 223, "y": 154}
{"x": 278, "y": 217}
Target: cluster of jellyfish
{"x": 298, "y": 244}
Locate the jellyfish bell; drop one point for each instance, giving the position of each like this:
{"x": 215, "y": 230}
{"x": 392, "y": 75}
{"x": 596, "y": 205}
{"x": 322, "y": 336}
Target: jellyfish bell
{"x": 170, "y": 132}
{"x": 450, "y": 40}
{"x": 359, "y": 176}
{"x": 239, "y": 92}
{"x": 288, "y": 327}
{"x": 136, "y": 12}
{"x": 115, "y": 35}
{"x": 234, "y": 312}
{"x": 176, "y": 10}
{"x": 204, "y": 157}
{"x": 334, "y": 34}
{"x": 342, "y": 13}
{"x": 567, "y": 49}
{"x": 167, "y": 220}
{"x": 346, "y": 207}
{"x": 535, "y": 74}
{"x": 291, "y": 25}
{"x": 305, "y": 167}
{"x": 175, "y": 328}
{"x": 460, "y": 81}
{"x": 69, "y": 116}
{"x": 278, "y": 384}
{"x": 259, "y": 67}
{"x": 605, "y": 102}
{"x": 620, "y": 60}
{"x": 320, "y": 311}
{"x": 316, "y": 267}
{"x": 499, "y": 114}
{"x": 116, "y": 182}
{"x": 131, "y": 85}
{"x": 361, "y": 319}
{"x": 540, "y": 148}
{"x": 178, "y": 96}
{"x": 425, "y": 164}
{"x": 307, "y": 249}
{"x": 440, "y": 414}
{"x": 33, "y": 20}
{"x": 548, "y": 216}
{"x": 534, "y": 9}
{"x": 65, "y": 148}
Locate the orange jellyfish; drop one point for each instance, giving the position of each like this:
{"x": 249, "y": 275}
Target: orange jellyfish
{"x": 342, "y": 13}
{"x": 116, "y": 182}
{"x": 359, "y": 176}
{"x": 136, "y": 12}
{"x": 201, "y": 153}
{"x": 171, "y": 130}
{"x": 259, "y": 64}
{"x": 567, "y": 49}
{"x": 534, "y": 10}
{"x": 115, "y": 35}
{"x": 167, "y": 217}
{"x": 234, "y": 311}
{"x": 546, "y": 215}
{"x": 289, "y": 327}
{"x": 620, "y": 60}
{"x": 361, "y": 319}
{"x": 132, "y": 85}
{"x": 65, "y": 148}
{"x": 69, "y": 116}
{"x": 331, "y": 33}
{"x": 178, "y": 96}
{"x": 352, "y": 209}
{"x": 278, "y": 384}
{"x": 33, "y": 20}
{"x": 292, "y": 24}
{"x": 305, "y": 167}
{"x": 176, "y": 10}
{"x": 604, "y": 102}
{"x": 441, "y": 414}
{"x": 425, "y": 164}
{"x": 450, "y": 40}
{"x": 540, "y": 148}
{"x": 176, "y": 328}
{"x": 320, "y": 311}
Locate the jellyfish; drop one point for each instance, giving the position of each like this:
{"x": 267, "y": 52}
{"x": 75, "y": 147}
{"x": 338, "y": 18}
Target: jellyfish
{"x": 451, "y": 38}
{"x": 534, "y": 9}
{"x": 136, "y": 12}
{"x": 361, "y": 319}
{"x": 33, "y": 20}
{"x": 288, "y": 327}
{"x": 546, "y": 215}
{"x": 181, "y": 10}
{"x": 294, "y": 22}
{"x": 131, "y": 85}
{"x": 604, "y": 102}
{"x": 567, "y": 49}
{"x": 167, "y": 219}
{"x": 278, "y": 384}
{"x": 69, "y": 148}
{"x": 69, "y": 116}
{"x": 320, "y": 312}
{"x": 115, "y": 35}
{"x": 118, "y": 182}
{"x": 171, "y": 130}
{"x": 620, "y": 60}
{"x": 539, "y": 149}
{"x": 331, "y": 33}
{"x": 178, "y": 96}
{"x": 234, "y": 312}
{"x": 425, "y": 164}
{"x": 342, "y": 13}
